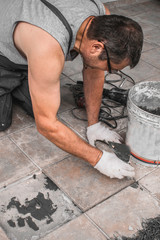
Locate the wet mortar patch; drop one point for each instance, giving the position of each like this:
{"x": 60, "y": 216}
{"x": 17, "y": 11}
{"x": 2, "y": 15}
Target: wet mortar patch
{"x": 39, "y": 208}
{"x": 50, "y": 184}
{"x": 36, "y": 206}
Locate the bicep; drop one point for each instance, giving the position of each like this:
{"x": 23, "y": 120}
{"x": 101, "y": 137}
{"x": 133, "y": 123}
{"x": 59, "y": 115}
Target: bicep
{"x": 44, "y": 84}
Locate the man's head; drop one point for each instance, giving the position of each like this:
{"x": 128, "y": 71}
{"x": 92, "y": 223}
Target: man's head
{"x": 122, "y": 37}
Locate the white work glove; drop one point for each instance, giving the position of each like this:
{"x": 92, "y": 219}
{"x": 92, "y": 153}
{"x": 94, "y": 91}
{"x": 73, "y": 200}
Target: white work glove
{"x": 99, "y": 131}
{"x": 110, "y": 165}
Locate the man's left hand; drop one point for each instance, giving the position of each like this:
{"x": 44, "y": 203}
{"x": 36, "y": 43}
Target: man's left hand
{"x": 100, "y": 132}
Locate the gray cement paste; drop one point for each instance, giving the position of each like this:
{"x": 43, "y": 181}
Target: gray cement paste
{"x": 11, "y": 223}
{"x": 147, "y": 97}
{"x": 50, "y": 185}
{"x": 38, "y": 207}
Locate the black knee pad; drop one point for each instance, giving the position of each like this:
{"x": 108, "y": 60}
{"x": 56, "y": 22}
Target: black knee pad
{"x": 5, "y": 111}
{"x": 22, "y": 95}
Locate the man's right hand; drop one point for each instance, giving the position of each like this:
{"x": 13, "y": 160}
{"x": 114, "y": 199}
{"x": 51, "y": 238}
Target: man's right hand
{"x": 111, "y": 166}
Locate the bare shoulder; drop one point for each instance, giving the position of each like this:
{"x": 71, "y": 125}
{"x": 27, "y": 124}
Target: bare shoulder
{"x": 30, "y": 39}
{"x": 107, "y": 10}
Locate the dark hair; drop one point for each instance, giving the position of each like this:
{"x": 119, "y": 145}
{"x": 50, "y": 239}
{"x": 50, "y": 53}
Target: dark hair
{"x": 122, "y": 36}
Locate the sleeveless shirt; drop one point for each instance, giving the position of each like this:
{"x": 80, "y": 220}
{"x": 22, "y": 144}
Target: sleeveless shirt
{"x": 36, "y": 13}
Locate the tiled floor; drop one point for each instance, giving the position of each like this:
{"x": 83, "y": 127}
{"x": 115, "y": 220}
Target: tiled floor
{"x": 45, "y": 193}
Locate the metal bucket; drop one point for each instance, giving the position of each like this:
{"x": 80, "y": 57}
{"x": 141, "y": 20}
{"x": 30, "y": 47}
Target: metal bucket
{"x": 143, "y": 134}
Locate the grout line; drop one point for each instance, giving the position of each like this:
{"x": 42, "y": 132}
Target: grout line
{"x": 70, "y": 126}
{"x": 137, "y": 180}
{"x": 118, "y": 191}
{"x": 151, "y": 64}
{"x": 149, "y": 192}
{"x": 63, "y": 191}
{"x": 29, "y": 158}
{"x": 16, "y": 131}
{"x": 100, "y": 229}
{"x": 122, "y": 3}
{"x": 19, "y": 181}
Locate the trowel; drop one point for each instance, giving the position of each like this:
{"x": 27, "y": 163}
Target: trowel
{"x": 122, "y": 151}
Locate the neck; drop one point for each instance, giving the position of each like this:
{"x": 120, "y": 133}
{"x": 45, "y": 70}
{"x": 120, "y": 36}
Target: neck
{"x": 81, "y": 33}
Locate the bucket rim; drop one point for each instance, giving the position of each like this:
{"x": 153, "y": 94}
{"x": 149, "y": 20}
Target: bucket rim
{"x": 129, "y": 98}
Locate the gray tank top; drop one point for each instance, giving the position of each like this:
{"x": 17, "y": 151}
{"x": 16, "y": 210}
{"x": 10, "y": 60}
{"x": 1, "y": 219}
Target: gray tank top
{"x": 36, "y": 13}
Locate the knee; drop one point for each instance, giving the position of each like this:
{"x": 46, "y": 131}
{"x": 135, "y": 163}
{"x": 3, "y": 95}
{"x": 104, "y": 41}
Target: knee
{"x": 4, "y": 126}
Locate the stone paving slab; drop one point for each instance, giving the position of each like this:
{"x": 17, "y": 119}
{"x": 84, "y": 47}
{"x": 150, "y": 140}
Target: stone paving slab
{"x": 123, "y": 213}
{"x": 152, "y": 57}
{"x": 20, "y": 120}
{"x": 14, "y": 165}
{"x": 142, "y": 71}
{"x": 78, "y": 125}
{"x": 131, "y": 10}
{"x": 3, "y": 235}
{"x": 154, "y": 78}
{"x": 84, "y": 184}
{"x": 78, "y": 229}
{"x": 148, "y": 46}
{"x": 153, "y": 36}
{"x": 33, "y": 208}
{"x": 37, "y": 147}
{"x": 151, "y": 18}
{"x": 152, "y": 183}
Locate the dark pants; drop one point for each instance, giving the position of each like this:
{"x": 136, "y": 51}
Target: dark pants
{"x": 13, "y": 85}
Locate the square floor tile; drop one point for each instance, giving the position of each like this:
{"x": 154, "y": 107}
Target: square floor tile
{"x": 131, "y": 10}
{"x": 142, "y": 71}
{"x": 148, "y": 46}
{"x": 123, "y": 213}
{"x": 149, "y": 18}
{"x": 33, "y": 208}
{"x": 14, "y": 165}
{"x": 152, "y": 57}
{"x": 84, "y": 184}
{"x": 20, "y": 120}
{"x": 78, "y": 125}
{"x": 77, "y": 229}
{"x": 154, "y": 78}
{"x": 153, "y": 36}
{"x": 146, "y": 27}
{"x": 152, "y": 183}
{"x": 37, "y": 147}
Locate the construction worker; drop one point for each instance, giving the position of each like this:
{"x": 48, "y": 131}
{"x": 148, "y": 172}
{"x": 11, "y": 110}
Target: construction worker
{"x": 38, "y": 36}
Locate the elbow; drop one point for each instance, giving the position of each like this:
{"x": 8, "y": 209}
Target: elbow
{"x": 47, "y": 127}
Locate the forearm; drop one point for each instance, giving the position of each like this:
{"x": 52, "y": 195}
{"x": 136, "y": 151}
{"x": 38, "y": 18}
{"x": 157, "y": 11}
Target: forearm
{"x": 67, "y": 140}
{"x": 93, "y": 89}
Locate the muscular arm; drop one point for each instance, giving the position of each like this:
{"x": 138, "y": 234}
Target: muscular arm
{"x": 93, "y": 88}
{"x": 45, "y": 63}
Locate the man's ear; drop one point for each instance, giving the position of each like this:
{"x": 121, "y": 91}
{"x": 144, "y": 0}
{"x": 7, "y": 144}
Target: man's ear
{"x": 96, "y": 47}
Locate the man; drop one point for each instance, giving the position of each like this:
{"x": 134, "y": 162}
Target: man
{"x": 32, "y": 34}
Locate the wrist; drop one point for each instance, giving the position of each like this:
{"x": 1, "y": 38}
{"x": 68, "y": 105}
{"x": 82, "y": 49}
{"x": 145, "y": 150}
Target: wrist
{"x": 93, "y": 125}
{"x": 92, "y": 122}
{"x": 98, "y": 157}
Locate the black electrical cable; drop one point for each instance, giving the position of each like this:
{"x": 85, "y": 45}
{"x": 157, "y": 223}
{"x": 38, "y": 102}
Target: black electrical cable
{"x": 112, "y": 98}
